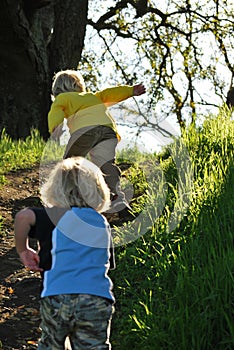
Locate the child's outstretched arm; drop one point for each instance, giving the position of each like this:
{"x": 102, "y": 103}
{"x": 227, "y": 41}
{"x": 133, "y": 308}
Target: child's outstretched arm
{"x": 24, "y": 220}
{"x": 138, "y": 90}
{"x": 113, "y": 95}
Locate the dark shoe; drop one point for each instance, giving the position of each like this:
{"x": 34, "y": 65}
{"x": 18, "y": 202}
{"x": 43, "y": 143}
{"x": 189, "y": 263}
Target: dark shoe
{"x": 120, "y": 217}
{"x": 118, "y": 204}
{"x": 119, "y": 212}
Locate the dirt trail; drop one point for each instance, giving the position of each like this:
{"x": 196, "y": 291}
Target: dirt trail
{"x": 19, "y": 289}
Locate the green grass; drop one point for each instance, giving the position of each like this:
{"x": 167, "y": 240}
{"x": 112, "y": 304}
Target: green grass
{"x": 174, "y": 289}
{"x": 19, "y": 154}
{"x": 174, "y": 282}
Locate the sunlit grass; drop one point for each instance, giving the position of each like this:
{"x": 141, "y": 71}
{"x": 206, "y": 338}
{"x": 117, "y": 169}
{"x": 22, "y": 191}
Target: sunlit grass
{"x": 19, "y": 154}
{"x": 174, "y": 282}
{"x": 22, "y": 154}
{"x": 175, "y": 289}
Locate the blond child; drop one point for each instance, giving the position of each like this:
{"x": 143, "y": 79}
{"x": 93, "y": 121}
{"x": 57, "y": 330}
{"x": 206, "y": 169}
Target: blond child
{"x": 76, "y": 299}
{"x": 92, "y": 128}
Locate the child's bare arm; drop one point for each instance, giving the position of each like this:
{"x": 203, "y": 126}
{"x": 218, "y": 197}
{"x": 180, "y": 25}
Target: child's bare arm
{"x": 24, "y": 220}
{"x": 138, "y": 90}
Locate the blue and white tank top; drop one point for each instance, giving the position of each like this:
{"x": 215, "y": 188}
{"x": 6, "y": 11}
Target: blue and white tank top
{"x": 80, "y": 255}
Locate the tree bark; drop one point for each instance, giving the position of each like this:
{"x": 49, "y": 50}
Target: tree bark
{"x": 34, "y": 43}
{"x": 69, "y": 32}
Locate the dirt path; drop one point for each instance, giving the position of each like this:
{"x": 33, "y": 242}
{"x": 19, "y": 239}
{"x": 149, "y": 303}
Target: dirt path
{"x": 19, "y": 289}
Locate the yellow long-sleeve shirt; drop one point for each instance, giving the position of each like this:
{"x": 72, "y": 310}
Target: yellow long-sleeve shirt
{"x": 86, "y": 108}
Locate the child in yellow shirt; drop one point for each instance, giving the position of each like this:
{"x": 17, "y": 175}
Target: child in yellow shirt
{"x": 92, "y": 128}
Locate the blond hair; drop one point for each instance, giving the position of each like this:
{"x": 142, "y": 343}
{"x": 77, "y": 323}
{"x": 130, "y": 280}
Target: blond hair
{"x": 76, "y": 182}
{"x": 67, "y": 81}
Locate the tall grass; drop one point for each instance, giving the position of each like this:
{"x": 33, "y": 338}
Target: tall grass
{"x": 22, "y": 154}
{"x": 174, "y": 288}
{"x": 174, "y": 282}
{"x": 19, "y": 154}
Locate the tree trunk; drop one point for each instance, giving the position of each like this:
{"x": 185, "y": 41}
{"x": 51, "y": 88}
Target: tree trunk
{"x": 69, "y": 32}
{"x": 26, "y": 67}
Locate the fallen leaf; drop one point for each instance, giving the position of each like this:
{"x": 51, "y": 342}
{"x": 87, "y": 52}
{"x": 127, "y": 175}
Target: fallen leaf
{"x": 32, "y": 342}
{"x": 10, "y": 290}
{"x": 32, "y": 311}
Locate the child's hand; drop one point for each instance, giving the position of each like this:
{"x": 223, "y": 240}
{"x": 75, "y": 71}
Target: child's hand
{"x": 57, "y": 132}
{"x": 138, "y": 90}
{"x": 30, "y": 259}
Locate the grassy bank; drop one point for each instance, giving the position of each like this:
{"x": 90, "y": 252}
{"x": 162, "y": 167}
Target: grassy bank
{"x": 174, "y": 288}
{"x": 19, "y": 154}
{"x": 174, "y": 280}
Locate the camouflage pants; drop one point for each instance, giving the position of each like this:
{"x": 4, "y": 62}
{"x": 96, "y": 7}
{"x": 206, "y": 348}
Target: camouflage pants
{"x": 85, "y": 319}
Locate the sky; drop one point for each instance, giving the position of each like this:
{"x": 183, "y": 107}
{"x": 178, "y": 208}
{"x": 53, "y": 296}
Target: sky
{"x": 151, "y": 141}
{"x": 146, "y": 142}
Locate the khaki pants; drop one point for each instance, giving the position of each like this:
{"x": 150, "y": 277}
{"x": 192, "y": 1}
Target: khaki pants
{"x": 99, "y": 142}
